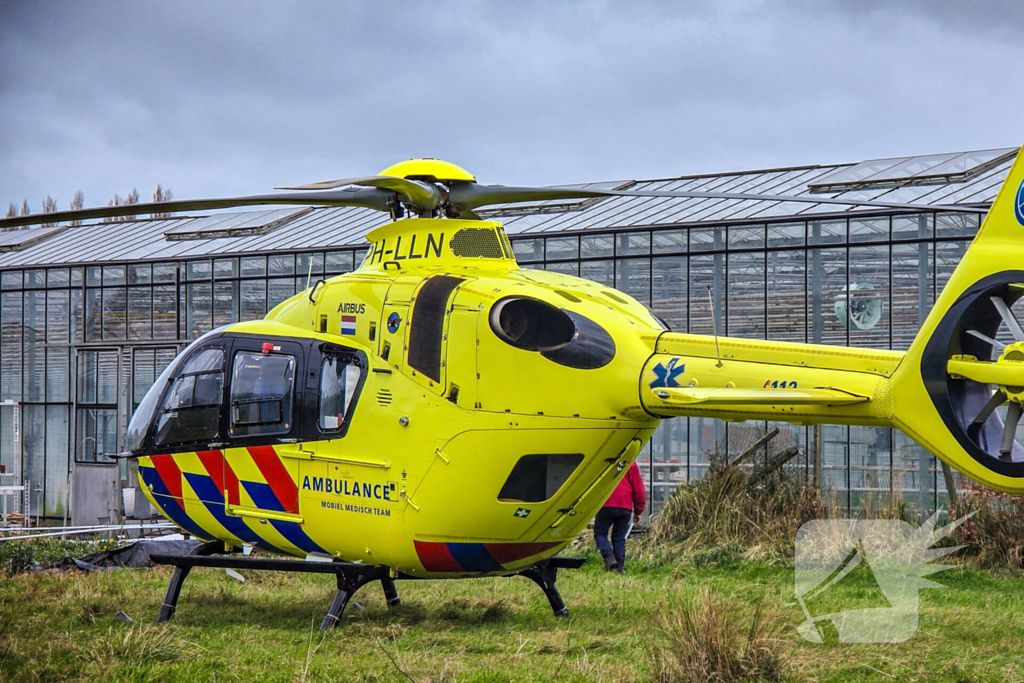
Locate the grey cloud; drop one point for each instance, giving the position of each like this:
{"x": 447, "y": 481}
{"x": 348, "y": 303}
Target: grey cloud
{"x": 236, "y": 97}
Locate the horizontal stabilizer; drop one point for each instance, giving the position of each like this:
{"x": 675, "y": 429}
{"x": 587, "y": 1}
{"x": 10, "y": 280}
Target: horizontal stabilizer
{"x": 710, "y": 397}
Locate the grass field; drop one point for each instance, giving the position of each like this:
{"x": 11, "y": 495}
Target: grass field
{"x": 56, "y": 627}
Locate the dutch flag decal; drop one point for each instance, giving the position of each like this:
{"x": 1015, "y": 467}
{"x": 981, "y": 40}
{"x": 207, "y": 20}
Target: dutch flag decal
{"x": 348, "y": 324}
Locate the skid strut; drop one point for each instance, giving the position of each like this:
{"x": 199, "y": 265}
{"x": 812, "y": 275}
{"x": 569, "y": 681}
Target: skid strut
{"x": 545, "y": 573}
{"x": 351, "y": 577}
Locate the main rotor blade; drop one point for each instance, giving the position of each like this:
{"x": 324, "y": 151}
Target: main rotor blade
{"x": 368, "y": 197}
{"x": 1007, "y": 315}
{"x": 423, "y": 195}
{"x": 985, "y": 338}
{"x": 998, "y": 399}
{"x": 1013, "y": 414}
{"x": 472, "y": 196}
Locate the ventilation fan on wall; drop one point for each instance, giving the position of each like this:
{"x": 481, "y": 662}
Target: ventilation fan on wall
{"x": 859, "y": 306}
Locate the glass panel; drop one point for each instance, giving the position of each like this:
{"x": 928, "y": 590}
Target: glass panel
{"x": 956, "y": 224}
{"x": 254, "y": 266}
{"x": 913, "y": 291}
{"x": 947, "y": 258}
{"x": 786, "y": 234}
{"x": 282, "y": 264}
{"x": 10, "y": 346}
{"x": 278, "y": 290}
{"x": 562, "y": 248}
{"x": 93, "y": 276}
{"x": 77, "y": 317}
{"x": 140, "y": 312}
{"x": 113, "y": 275}
{"x": 668, "y": 291}
{"x": 58, "y": 277}
{"x": 165, "y": 272}
{"x": 199, "y": 310}
{"x": 303, "y": 262}
{"x": 870, "y": 455}
{"x": 633, "y": 276}
{"x": 566, "y": 268}
{"x": 602, "y": 272}
{"x": 669, "y": 241}
{"x": 56, "y": 460}
{"x": 826, "y": 232}
{"x": 527, "y": 251}
{"x": 140, "y": 274}
{"x": 115, "y": 313}
{"x": 596, "y": 246}
{"x": 867, "y": 299}
{"x": 787, "y": 303}
{"x": 76, "y": 277}
{"x": 93, "y": 317}
{"x": 35, "y": 350}
{"x": 834, "y": 463}
{"x": 225, "y": 268}
{"x": 746, "y": 237}
{"x": 338, "y": 262}
{"x": 198, "y": 270}
{"x": 913, "y": 226}
{"x": 11, "y": 279}
{"x": 707, "y": 239}
{"x": 261, "y": 394}
{"x": 707, "y": 437}
{"x": 57, "y": 353}
{"x": 826, "y": 279}
{"x": 165, "y": 313}
{"x": 253, "y": 299}
{"x": 913, "y": 473}
{"x": 746, "y": 309}
{"x": 35, "y": 279}
{"x": 633, "y": 244}
{"x": 669, "y": 460}
{"x": 143, "y": 373}
{"x": 707, "y": 272}
{"x": 338, "y": 382}
{"x": 869, "y": 229}
{"x": 33, "y": 420}
{"x": 225, "y": 303}
{"x": 95, "y": 433}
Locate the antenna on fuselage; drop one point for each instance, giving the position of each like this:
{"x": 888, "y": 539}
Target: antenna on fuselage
{"x": 714, "y": 324}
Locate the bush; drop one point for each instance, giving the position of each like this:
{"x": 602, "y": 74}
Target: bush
{"x": 19, "y": 556}
{"x": 710, "y": 640}
{"x": 995, "y": 534}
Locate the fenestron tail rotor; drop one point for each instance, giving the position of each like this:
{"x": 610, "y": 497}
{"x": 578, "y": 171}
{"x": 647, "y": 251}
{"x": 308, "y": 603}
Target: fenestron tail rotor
{"x": 428, "y": 188}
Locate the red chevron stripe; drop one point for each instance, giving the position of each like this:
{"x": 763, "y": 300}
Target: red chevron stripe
{"x": 276, "y": 474}
{"x": 436, "y": 557}
{"x": 503, "y": 553}
{"x": 170, "y": 475}
{"x": 220, "y": 471}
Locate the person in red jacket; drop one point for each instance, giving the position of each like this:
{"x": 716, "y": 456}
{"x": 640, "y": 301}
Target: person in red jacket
{"x": 622, "y": 510}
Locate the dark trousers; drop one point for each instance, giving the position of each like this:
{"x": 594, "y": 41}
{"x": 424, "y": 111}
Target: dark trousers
{"x": 616, "y": 519}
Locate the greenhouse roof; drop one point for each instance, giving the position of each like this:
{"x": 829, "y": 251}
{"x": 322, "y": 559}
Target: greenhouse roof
{"x": 964, "y": 178}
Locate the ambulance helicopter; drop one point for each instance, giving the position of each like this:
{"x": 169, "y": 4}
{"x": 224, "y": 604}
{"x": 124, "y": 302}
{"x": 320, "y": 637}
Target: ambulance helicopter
{"x": 442, "y": 413}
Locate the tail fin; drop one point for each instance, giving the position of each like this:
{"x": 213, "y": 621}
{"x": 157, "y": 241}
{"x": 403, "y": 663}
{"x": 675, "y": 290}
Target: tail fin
{"x": 956, "y": 374}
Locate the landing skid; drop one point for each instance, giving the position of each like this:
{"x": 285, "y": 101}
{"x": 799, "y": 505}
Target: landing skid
{"x": 351, "y": 577}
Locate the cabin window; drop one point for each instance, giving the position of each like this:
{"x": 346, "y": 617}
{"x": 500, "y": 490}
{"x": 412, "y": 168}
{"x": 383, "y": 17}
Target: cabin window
{"x": 537, "y": 477}
{"x": 338, "y": 382}
{"x": 191, "y": 409}
{"x": 261, "y": 393}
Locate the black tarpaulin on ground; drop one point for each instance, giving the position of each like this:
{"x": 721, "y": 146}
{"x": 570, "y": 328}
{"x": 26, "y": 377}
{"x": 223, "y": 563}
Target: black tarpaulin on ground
{"x": 132, "y": 555}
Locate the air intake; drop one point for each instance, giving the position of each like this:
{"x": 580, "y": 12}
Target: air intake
{"x": 477, "y": 243}
{"x": 384, "y": 397}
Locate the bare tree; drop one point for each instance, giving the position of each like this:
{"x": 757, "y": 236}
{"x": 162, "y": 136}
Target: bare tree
{"x": 24, "y": 208}
{"x": 116, "y": 201}
{"x": 162, "y": 195}
{"x": 49, "y": 206}
{"x": 76, "y": 204}
{"x": 12, "y": 210}
{"x": 132, "y": 198}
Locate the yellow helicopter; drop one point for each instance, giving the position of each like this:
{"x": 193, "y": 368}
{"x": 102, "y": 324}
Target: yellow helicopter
{"x": 443, "y": 413}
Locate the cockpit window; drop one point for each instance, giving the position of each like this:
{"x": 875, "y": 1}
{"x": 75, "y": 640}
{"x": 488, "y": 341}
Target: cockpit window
{"x": 191, "y": 409}
{"x": 261, "y": 393}
{"x": 338, "y": 382}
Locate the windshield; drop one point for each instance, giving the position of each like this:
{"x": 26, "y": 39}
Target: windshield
{"x": 138, "y": 427}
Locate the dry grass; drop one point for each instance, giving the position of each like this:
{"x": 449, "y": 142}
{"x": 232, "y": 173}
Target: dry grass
{"x": 711, "y": 640}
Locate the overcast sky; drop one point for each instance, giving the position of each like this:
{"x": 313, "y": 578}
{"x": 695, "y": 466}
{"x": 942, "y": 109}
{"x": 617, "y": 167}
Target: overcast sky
{"x": 222, "y": 98}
